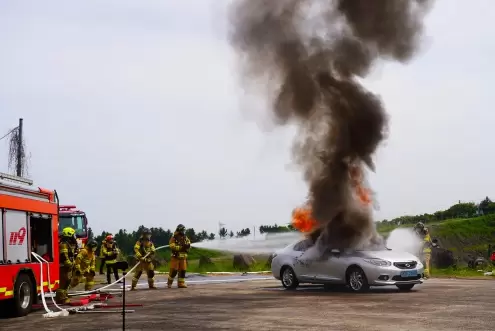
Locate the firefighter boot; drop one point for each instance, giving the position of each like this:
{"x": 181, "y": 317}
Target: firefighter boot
{"x": 61, "y": 297}
{"x": 151, "y": 280}
{"x": 181, "y": 282}
{"x": 171, "y": 275}
{"x": 133, "y": 284}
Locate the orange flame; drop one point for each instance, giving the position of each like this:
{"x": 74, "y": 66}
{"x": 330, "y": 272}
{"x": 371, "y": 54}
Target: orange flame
{"x": 363, "y": 194}
{"x": 302, "y": 220}
{"x": 301, "y": 217}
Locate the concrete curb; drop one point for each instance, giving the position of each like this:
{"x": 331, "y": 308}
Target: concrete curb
{"x": 492, "y": 278}
{"x": 219, "y": 273}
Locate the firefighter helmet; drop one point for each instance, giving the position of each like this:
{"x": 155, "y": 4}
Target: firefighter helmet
{"x": 146, "y": 234}
{"x": 68, "y": 232}
{"x": 180, "y": 228}
{"x": 92, "y": 245}
{"x": 109, "y": 238}
{"x": 420, "y": 229}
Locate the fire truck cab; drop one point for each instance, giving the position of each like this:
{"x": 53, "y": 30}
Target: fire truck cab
{"x": 29, "y": 223}
{"x": 70, "y": 216}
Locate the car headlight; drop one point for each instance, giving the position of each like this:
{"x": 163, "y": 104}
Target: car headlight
{"x": 378, "y": 262}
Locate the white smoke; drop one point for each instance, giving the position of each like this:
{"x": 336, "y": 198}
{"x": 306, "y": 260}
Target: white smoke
{"x": 402, "y": 239}
{"x": 266, "y": 244}
{"x": 405, "y": 240}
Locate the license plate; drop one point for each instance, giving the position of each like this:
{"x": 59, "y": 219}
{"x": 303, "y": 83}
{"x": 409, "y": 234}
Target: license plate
{"x": 409, "y": 273}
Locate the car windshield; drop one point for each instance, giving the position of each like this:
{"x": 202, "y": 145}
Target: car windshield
{"x": 76, "y": 222}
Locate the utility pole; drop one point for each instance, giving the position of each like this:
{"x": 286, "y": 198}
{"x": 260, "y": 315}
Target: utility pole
{"x": 19, "y": 150}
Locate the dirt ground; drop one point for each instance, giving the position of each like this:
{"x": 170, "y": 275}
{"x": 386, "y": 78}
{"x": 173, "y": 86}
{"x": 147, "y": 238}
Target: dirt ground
{"x": 439, "y": 304}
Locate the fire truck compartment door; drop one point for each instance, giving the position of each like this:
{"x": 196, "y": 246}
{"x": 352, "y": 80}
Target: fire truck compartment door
{"x": 16, "y": 236}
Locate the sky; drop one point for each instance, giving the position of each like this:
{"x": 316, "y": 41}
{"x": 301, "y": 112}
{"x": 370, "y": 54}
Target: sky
{"x": 133, "y": 111}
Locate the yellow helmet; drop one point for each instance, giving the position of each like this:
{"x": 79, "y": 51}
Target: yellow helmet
{"x": 68, "y": 232}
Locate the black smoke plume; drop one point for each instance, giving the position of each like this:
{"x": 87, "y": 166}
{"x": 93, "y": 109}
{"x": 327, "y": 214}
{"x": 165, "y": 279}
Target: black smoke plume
{"x": 312, "y": 53}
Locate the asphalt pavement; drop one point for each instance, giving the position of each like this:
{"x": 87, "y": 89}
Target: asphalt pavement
{"x": 252, "y": 303}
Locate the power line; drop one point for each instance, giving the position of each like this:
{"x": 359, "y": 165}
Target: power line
{"x": 6, "y": 135}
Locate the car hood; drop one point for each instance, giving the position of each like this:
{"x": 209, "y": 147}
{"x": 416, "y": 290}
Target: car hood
{"x": 392, "y": 256}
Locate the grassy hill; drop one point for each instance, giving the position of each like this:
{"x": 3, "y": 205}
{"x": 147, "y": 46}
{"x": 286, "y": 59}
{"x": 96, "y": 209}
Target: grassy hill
{"x": 462, "y": 236}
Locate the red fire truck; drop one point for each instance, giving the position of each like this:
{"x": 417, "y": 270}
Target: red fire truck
{"x": 70, "y": 216}
{"x": 29, "y": 223}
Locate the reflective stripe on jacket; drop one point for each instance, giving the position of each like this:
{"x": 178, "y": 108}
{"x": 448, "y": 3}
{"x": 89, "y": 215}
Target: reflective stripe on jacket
{"x": 66, "y": 254}
{"x": 103, "y": 244}
{"x": 85, "y": 261}
{"x": 110, "y": 253}
{"x": 141, "y": 249}
{"x": 427, "y": 243}
{"x": 176, "y": 245}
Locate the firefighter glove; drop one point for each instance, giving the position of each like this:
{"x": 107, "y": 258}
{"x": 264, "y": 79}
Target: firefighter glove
{"x": 92, "y": 273}
{"x": 78, "y": 272}
{"x": 86, "y": 274}
{"x": 187, "y": 246}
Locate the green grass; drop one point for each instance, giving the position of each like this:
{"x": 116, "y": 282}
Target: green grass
{"x": 460, "y": 272}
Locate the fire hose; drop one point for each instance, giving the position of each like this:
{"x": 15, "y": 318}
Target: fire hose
{"x": 63, "y": 311}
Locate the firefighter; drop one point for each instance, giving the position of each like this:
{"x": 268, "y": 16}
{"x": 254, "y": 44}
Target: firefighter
{"x": 67, "y": 247}
{"x": 84, "y": 266}
{"x": 102, "y": 257}
{"x": 110, "y": 252}
{"x": 179, "y": 245}
{"x": 144, "y": 251}
{"x": 424, "y": 234}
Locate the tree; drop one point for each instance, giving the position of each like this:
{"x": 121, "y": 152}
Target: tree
{"x": 191, "y": 234}
{"x": 462, "y": 210}
{"x": 484, "y": 205}
{"x": 222, "y": 233}
{"x": 211, "y": 236}
{"x": 91, "y": 235}
{"x": 275, "y": 228}
{"x": 203, "y": 235}
{"x": 231, "y": 234}
{"x": 243, "y": 233}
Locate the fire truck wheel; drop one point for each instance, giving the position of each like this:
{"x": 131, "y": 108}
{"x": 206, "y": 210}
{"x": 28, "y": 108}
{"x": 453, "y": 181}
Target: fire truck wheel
{"x": 23, "y": 296}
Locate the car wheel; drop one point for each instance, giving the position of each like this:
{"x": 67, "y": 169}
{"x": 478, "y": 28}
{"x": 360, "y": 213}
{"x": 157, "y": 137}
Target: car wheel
{"x": 405, "y": 287}
{"x": 356, "y": 280}
{"x": 289, "y": 279}
{"x": 23, "y": 296}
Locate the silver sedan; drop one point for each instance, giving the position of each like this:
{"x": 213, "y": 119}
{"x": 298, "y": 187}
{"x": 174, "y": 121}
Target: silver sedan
{"x": 357, "y": 269}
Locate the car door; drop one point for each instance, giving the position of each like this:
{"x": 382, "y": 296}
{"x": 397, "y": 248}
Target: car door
{"x": 331, "y": 268}
{"x": 303, "y": 269}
